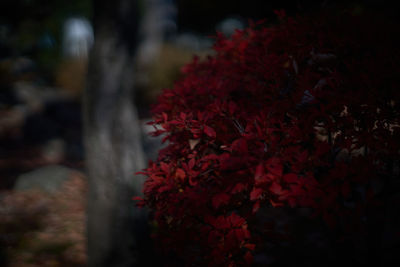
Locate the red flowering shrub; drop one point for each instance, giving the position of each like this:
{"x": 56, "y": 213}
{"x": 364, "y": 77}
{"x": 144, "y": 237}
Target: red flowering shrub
{"x": 300, "y": 115}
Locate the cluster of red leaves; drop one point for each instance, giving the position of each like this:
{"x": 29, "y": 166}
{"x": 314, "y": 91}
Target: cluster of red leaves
{"x": 303, "y": 114}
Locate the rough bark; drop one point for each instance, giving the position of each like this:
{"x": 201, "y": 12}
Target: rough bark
{"x": 116, "y": 229}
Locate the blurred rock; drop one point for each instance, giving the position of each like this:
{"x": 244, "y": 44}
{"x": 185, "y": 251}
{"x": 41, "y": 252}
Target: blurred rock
{"x": 48, "y": 179}
{"x": 35, "y": 97}
{"x": 78, "y": 37}
{"x": 229, "y": 25}
{"x": 22, "y": 65}
{"x": 54, "y": 151}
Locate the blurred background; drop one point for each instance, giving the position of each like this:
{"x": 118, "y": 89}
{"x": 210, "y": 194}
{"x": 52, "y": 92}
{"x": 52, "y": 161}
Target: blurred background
{"x": 44, "y": 51}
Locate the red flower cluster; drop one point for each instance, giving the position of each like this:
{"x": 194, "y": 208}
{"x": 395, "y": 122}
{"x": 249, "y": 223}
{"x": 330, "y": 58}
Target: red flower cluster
{"x": 303, "y": 114}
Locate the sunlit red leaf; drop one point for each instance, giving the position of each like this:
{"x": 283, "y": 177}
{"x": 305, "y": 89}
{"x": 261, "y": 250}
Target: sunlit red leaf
{"x": 180, "y": 174}
{"x": 164, "y": 167}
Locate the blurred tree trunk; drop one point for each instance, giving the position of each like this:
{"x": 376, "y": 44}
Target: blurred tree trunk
{"x": 116, "y": 229}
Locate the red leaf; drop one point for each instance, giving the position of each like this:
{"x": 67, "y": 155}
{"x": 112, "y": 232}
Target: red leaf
{"x": 164, "y": 167}
{"x": 240, "y": 146}
{"x": 235, "y": 220}
{"x": 163, "y": 188}
{"x": 246, "y": 231}
{"x": 275, "y": 166}
{"x": 260, "y": 177}
{"x": 250, "y": 246}
{"x": 291, "y": 178}
{"x": 255, "y": 193}
{"x": 302, "y": 156}
{"x": 191, "y": 163}
{"x": 214, "y": 236}
{"x": 256, "y": 207}
{"x": 275, "y": 204}
{"x": 220, "y": 199}
{"x": 232, "y": 107}
{"x": 141, "y": 202}
{"x": 297, "y": 190}
{"x": 182, "y": 116}
{"x": 238, "y": 188}
{"x": 180, "y": 174}
{"x": 221, "y": 223}
{"x": 259, "y": 172}
{"x": 248, "y": 257}
{"x": 230, "y": 239}
{"x": 276, "y": 188}
{"x": 292, "y": 202}
{"x": 240, "y": 234}
{"x": 192, "y": 182}
{"x": 209, "y": 131}
{"x": 165, "y": 116}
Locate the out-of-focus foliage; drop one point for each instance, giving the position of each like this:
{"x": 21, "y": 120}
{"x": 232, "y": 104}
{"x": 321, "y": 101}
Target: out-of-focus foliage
{"x": 34, "y": 28}
{"x": 71, "y": 76}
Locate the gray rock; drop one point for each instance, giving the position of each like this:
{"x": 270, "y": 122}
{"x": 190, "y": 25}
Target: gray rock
{"x": 229, "y": 25}
{"x": 49, "y": 178}
{"x": 54, "y": 150}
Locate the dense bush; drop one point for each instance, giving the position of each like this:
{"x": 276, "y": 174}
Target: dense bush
{"x": 302, "y": 117}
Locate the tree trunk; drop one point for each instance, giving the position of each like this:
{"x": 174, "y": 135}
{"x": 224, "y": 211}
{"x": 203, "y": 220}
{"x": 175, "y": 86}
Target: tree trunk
{"x": 116, "y": 229}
